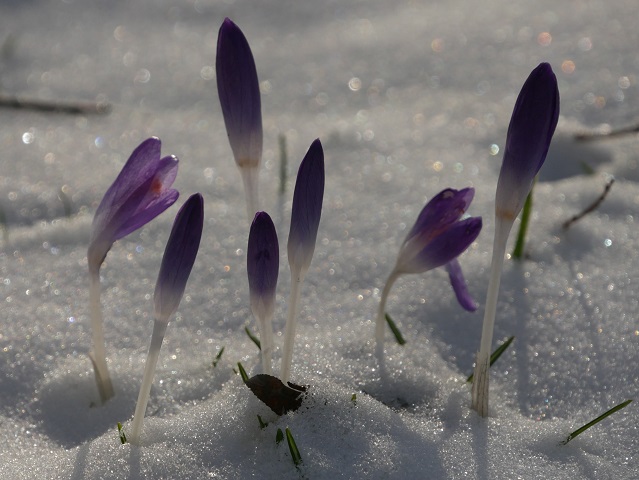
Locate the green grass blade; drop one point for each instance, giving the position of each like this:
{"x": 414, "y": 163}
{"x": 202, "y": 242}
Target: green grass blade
{"x": 518, "y": 252}
{"x": 295, "y": 453}
{"x": 279, "y": 436}
{"x": 242, "y": 372}
{"x": 596, "y": 421}
{"x": 218, "y": 357}
{"x": 495, "y": 355}
{"x": 255, "y": 340}
{"x": 122, "y": 434}
{"x": 263, "y": 424}
{"x": 395, "y": 330}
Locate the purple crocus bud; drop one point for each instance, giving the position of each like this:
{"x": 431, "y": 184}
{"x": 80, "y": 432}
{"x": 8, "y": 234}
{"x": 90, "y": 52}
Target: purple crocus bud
{"x": 438, "y": 237}
{"x": 139, "y": 194}
{"x": 239, "y": 93}
{"x": 307, "y": 209}
{"x": 262, "y": 265}
{"x": 179, "y": 256}
{"x": 529, "y": 134}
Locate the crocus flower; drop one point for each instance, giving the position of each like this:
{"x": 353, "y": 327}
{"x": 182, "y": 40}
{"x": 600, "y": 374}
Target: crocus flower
{"x": 437, "y": 239}
{"x": 177, "y": 262}
{"x": 305, "y": 218}
{"x": 529, "y": 134}
{"x": 139, "y": 194}
{"x": 239, "y": 93}
{"x": 262, "y": 265}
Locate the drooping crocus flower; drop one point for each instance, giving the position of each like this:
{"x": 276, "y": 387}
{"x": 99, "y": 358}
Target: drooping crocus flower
{"x": 139, "y": 194}
{"x": 529, "y": 134}
{"x": 262, "y": 265}
{"x": 239, "y": 93}
{"x": 305, "y": 217}
{"x": 177, "y": 262}
{"x": 437, "y": 239}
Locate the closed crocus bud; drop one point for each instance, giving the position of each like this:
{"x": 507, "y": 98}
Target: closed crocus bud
{"x": 307, "y": 209}
{"x": 239, "y": 93}
{"x": 179, "y": 257}
{"x": 531, "y": 128}
{"x": 262, "y": 265}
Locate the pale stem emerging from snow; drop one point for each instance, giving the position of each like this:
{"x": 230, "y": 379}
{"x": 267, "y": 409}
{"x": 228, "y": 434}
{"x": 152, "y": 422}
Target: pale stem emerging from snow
{"x": 297, "y": 277}
{"x": 98, "y": 355}
{"x": 250, "y": 175}
{"x": 159, "y": 329}
{"x": 481, "y": 375}
{"x": 266, "y": 342}
{"x": 381, "y": 314}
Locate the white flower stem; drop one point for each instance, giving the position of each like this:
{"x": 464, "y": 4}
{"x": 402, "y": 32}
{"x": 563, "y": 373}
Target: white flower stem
{"x": 250, "y": 176}
{"x": 381, "y": 314}
{"x": 159, "y": 329}
{"x": 481, "y": 375}
{"x": 266, "y": 342}
{"x": 98, "y": 354}
{"x": 289, "y": 332}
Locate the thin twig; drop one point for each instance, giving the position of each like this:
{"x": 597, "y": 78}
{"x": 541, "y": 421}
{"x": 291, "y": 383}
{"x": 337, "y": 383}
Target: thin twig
{"x": 595, "y": 135}
{"x": 568, "y": 223}
{"x": 73, "y": 108}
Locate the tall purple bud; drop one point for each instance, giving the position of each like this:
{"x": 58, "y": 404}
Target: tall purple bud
{"x": 529, "y": 134}
{"x": 177, "y": 263}
{"x": 239, "y": 92}
{"x": 305, "y": 218}
{"x": 140, "y": 193}
{"x": 262, "y": 265}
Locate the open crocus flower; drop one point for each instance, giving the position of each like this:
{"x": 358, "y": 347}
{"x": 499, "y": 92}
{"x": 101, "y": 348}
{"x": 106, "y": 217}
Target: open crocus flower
{"x": 177, "y": 263}
{"x": 139, "y": 194}
{"x": 529, "y": 134}
{"x": 262, "y": 265}
{"x": 239, "y": 93}
{"x": 305, "y": 217}
{"x": 437, "y": 239}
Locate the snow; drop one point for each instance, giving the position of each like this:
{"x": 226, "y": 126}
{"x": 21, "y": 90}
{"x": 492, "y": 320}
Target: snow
{"x": 407, "y": 98}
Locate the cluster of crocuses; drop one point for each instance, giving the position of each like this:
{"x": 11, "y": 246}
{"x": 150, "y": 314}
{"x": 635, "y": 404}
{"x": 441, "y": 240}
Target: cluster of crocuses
{"x": 238, "y": 89}
{"x": 440, "y": 234}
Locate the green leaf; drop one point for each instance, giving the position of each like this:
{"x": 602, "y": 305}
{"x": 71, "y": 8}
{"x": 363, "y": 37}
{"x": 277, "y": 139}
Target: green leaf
{"x": 122, "y": 434}
{"x": 518, "y": 252}
{"x": 255, "y": 340}
{"x": 295, "y": 453}
{"x": 263, "y": 424}
{"x": 242, "y": 372}
{"x": 218, "y": 357}
{"x": 495, "y": 355}
{"x": 395, "y": 330}
{"x": 279, "y": 436}
{"x": 354, "y": 398}
{"x": 596, "y": 421}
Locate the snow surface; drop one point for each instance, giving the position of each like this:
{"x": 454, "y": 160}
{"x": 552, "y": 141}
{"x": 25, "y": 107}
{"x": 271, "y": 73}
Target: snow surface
{"x": 408, "y": 98}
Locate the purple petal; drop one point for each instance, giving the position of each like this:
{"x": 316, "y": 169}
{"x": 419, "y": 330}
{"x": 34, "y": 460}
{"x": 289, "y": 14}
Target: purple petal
{"x": 441, "y": 211}
{"x": 239, "y": 93}
{"x": 460, "y": 288}
{"x": 139, "y": 193}
{"x": 446, "y": 246}
{"x": 530, "y": 131}
{"x": 307, "y": 207}
{"x": 179, "y": 257}
{"x": 262, "y": 264}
